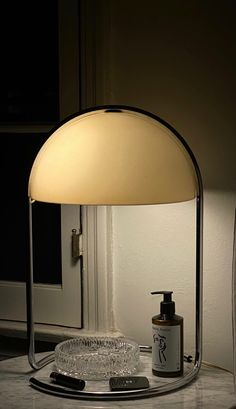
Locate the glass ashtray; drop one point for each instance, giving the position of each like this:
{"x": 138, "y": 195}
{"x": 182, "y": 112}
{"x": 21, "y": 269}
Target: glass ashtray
{"x": 89, "y": 357}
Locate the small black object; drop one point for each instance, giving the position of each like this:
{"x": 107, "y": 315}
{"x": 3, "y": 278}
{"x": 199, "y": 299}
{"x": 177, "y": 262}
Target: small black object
{"x": 188, "y": 358}
{"x": 126, "y": 383}
{"x": 113, "y": 110}
{"x": 67, "y": 381}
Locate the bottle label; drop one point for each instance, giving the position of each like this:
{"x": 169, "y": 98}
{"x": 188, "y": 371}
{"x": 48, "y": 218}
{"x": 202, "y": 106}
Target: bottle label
{"x": 166, "y": 348}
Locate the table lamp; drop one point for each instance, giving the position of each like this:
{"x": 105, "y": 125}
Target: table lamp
{"x": 118, "y": 155}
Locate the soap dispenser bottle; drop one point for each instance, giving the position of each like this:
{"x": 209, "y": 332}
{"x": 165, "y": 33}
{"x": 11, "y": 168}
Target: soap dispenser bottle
{"x": 168, "y": 345}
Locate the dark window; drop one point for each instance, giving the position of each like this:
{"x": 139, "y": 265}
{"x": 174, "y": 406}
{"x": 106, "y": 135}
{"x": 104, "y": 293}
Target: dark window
{"x": 18, "y": 153}
{"x": 29, "y": 84}
{"x": 29, "y": 62}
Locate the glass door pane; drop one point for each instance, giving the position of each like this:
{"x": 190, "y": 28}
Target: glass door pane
{"x": 29, "y": 62}
{"x": 19, "y": 151}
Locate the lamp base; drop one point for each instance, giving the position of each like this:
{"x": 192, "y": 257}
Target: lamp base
{"x": 99, "y": 390}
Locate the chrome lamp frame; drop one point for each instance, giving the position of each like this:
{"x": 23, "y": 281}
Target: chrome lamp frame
{"x": 152, "y": 391}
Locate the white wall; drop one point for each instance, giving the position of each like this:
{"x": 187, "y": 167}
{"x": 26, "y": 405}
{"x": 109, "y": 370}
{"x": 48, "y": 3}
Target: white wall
{"x": 176, "y": 59}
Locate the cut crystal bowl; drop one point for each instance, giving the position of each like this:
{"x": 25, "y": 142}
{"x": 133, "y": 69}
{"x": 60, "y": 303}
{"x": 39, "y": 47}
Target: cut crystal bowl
{"x": 90, "y": 357}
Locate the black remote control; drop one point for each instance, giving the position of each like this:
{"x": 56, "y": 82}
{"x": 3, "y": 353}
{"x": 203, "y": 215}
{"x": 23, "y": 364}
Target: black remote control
{"x": 125, "y": 383}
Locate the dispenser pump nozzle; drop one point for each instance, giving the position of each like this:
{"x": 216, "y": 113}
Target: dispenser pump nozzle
{"x": 167, "y": 305}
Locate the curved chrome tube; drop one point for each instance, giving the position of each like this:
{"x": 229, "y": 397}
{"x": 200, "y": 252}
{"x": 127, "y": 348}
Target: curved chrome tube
{"x": 29, "y": 304}
{"x": 154, "y": 391}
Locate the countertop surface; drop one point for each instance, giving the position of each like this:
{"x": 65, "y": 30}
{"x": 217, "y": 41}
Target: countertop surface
{"x": 213, "y": 388}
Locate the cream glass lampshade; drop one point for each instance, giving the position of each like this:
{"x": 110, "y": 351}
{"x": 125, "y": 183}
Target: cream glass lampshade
{"x": 117, "y": 155}
{"x": 113, "y": 157}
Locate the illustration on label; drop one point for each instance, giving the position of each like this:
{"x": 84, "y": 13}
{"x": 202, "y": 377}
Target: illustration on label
{"x": 166, "y": 348}
{"x": 161, "y": 345}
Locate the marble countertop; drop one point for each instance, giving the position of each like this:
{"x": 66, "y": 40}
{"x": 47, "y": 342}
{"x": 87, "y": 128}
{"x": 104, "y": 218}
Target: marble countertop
{"x": 213, "y": 388}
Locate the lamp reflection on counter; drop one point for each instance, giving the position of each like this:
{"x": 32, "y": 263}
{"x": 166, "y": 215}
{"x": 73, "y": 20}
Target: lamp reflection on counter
{"x": 117, "y": 155}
